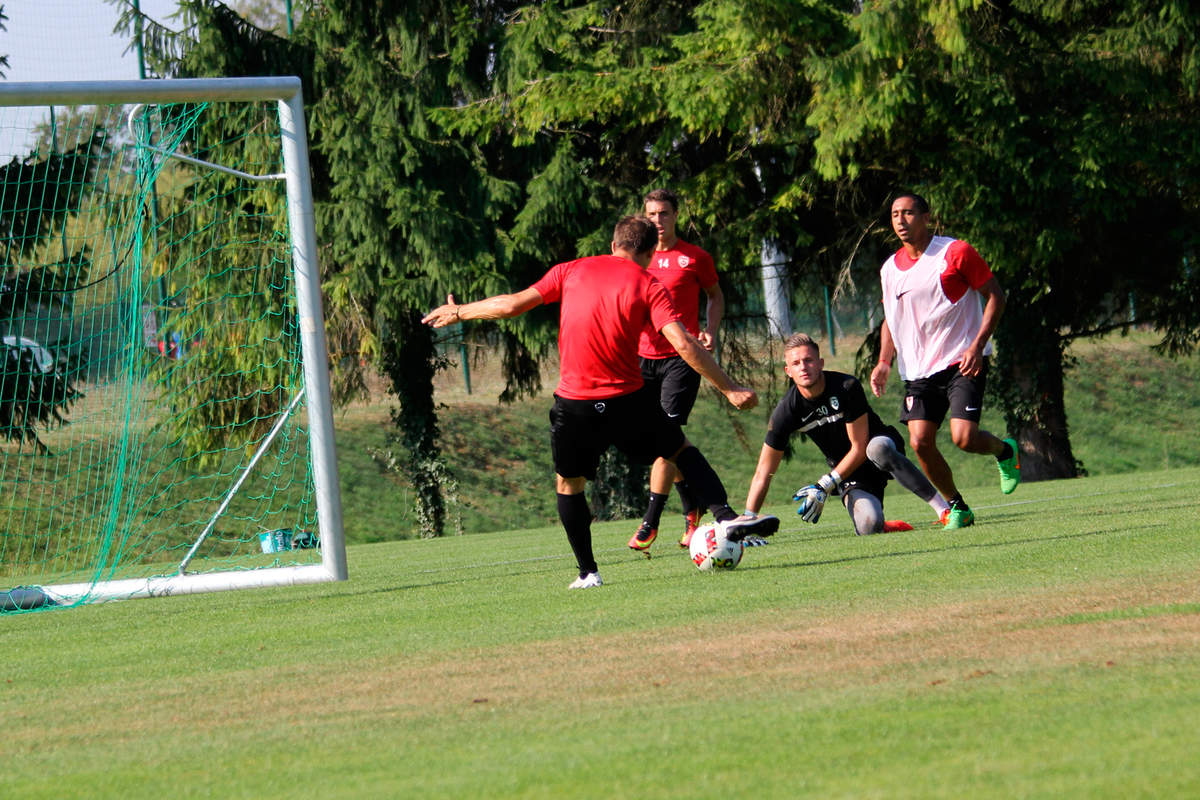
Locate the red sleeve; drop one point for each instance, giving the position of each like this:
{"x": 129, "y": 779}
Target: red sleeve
{"x": 662, "y": 310}
{"x": 706, "y": 272}
{"x": 549, "y": 286}
{"x": 965, "y": 269}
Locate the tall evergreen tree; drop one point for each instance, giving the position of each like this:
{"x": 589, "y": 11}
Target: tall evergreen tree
{"x": 403, "y": 212}
{"x": 1060, "y": 139}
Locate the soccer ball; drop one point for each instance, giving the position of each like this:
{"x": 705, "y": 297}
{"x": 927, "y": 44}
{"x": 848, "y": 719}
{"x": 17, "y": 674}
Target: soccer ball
{"x": 711, "y": 550}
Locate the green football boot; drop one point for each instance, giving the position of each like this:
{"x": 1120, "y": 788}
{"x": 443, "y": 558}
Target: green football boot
{"x": 960, "y": 517}
{"x": 1010, "y": 468}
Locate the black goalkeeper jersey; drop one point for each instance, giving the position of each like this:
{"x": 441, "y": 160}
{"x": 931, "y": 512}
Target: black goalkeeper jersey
{"x": 823, "y": 418}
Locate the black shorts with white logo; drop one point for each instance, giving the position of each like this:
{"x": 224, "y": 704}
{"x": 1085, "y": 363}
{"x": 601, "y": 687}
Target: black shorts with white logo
{"x": 949, "y": 390}
{"x": 581, "y": 430}
{"x": 675, "y": 383}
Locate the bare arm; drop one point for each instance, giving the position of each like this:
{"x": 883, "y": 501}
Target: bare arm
{"x": 993, "y": 307}
{"x": 768, "y": 464}
{"x": 887, "y": 351}
{"x": 702, "y": 361}
{"x": 858, "y": 433}
{"x": 501, "y": 306}
{"x": 713, "y": 315}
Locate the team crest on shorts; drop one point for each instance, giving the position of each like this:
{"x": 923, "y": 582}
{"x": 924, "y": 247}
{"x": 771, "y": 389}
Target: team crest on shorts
{"x": 908, "y": 401}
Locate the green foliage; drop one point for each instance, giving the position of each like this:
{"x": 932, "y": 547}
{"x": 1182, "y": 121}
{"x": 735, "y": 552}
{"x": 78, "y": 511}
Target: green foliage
{"x": 1036, "y": 131}
{"x": 462, "y": 148}
{"x": 39, "y": 194}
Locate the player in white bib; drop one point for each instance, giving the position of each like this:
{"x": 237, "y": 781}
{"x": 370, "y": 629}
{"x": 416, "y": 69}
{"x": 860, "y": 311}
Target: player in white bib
{"x": 941, "y": 304}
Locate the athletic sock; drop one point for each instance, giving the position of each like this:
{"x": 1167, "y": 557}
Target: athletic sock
{"x": 576, "y": 519}
{"x": 687, "y": 497}
{"x": 1006, "y": 453}
{"x": 957, "y": 500}
{"x": 702, "y": 480}
{"x": 939, "y": 505}
{"x": 654, "y": 509}
{"x": 722, "y": 513}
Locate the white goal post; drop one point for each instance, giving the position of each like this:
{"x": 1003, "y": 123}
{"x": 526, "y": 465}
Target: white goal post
{"x": 172, "y": 570}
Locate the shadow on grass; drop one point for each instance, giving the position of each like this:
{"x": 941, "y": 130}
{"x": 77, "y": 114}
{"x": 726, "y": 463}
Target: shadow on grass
{"x": 949, "y": 547}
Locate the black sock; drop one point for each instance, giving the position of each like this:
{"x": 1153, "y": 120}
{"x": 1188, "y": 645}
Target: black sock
{"x": 957, "y": 500}
{"x": 576, "y": 518}
{"x": 1006, "y": 453}
{"x": 687, "y": 498}
{"x": 703, "y": 481}
{"x": 722, "y": 512}
{"x": 654, "y": 509}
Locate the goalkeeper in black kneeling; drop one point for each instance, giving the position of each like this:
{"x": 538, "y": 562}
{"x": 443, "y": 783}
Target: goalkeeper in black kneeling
{"x": 863, "y": 453}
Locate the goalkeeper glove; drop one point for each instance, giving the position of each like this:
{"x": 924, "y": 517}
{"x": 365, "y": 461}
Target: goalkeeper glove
{"x": 812, "y": 498}
{"x": 830, "y": 482}
{"x": 812, "y": 502}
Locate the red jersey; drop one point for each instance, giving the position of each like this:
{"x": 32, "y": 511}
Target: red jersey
{"x": 685, "y": 270}
{"x": 607, "y": 301}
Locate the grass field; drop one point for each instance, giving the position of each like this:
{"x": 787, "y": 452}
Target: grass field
{"x": 1050, "y": 651}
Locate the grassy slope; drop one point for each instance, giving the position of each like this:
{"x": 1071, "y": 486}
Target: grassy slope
{"x": 1129, "y": 410}
{"x": 1050, "y": 651}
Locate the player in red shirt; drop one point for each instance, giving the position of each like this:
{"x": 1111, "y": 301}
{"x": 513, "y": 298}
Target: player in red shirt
{"x": 941, "y": 305}
{"x": 689, "y": 275}
{"x": 600, "y": 400}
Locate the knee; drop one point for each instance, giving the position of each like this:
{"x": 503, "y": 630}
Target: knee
{"x": 923, "y": 445}
{"x": 880, "y": 450}
{"x": 867, "y": 524}
{"x": 569, "y": 486}
{"x": 866, "y": 514}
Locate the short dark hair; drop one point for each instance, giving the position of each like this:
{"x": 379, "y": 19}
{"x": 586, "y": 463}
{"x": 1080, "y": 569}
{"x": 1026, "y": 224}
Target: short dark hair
{"x": 918, "y": 201}
{"x": 635, "y": 235}
{"x": 662, "y": 196}
{"x": 801, "y": 340}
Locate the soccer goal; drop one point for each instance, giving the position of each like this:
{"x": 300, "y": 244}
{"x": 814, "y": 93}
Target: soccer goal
{"x": 165, "y": 419}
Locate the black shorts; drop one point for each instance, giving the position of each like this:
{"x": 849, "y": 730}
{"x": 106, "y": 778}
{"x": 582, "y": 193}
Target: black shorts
{"x": 581, "y": 430}
{"x": 949, "y": 390}
{"x": 675, "y": 383}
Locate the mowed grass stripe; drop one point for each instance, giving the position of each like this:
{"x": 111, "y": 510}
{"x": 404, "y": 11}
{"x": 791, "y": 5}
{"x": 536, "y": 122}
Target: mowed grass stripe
{"x": 1008, "y": 659}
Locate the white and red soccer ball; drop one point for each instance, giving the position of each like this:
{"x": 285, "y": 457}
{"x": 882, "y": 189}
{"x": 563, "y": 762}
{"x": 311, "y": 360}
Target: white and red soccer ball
{"x": 711, "y": 550}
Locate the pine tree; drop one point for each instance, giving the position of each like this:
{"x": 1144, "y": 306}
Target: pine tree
{"x": 1040, "y": 133}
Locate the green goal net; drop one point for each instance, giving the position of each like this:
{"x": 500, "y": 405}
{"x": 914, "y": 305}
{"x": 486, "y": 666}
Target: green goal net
{"x": 164, "y": 416}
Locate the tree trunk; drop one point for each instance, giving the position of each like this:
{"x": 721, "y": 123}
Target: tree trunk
{"x": 1028, "y": 378}
{"x": 410, "y": 362}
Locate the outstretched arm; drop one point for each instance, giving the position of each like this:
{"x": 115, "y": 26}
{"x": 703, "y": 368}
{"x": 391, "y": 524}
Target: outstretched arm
{"x": 501, "y": 306}
{"x": 702, "y": 361}
{"x": 768, "y": 463}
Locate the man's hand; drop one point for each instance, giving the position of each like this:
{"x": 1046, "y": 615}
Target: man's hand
{"x": 879, "y": 378}
{"x": 971, "y": 363}
{"x": 812, "y": 502}
{"x": 443, "y": 315}
{"x": 742, "y": 397}
{"x": 707, "y": 340}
